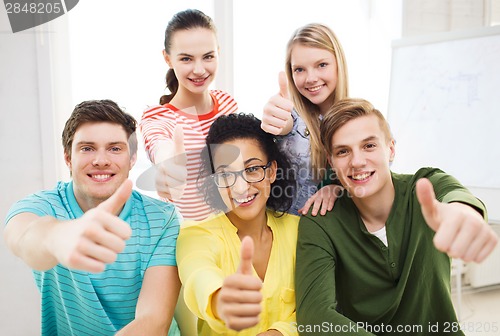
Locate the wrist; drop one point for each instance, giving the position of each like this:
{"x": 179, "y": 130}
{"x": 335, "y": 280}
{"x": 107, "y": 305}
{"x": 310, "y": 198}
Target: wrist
{"x": 213, "y": 304}
{"x": 39, "y": 234}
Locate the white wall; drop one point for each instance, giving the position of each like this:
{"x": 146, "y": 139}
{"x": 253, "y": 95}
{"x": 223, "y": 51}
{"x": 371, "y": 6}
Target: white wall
{"x": 112, "y": 49}
{"x": 21, "y": 169}
{"x": 115, "y": 52}
{"x": 112, "y": 54}
{"x": 365, "y": 29}
{"x": 119, "y": 55}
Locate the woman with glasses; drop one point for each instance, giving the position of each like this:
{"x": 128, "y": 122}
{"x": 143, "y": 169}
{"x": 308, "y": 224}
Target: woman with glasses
{"x": 237, "y": 266}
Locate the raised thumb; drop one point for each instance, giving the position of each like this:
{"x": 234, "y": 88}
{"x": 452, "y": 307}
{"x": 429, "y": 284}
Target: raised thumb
{"x": 247, "y": 250}
{"x": 283, "y": 82}
{"x": 428, "y": 203}
{"x": 115, "y": 203}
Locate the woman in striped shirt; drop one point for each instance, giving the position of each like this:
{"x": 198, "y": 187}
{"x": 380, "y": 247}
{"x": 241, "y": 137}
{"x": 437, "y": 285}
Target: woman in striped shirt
{"x": 175, "y": 131}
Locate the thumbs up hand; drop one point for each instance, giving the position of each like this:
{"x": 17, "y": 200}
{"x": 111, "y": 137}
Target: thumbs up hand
{"x": 247, "y": 249}
{"x": 237, "y": 303}
{"x": 461, "y": 231}
{"x": 95, "y": 239}
{"x": 171, "y": 174}
{"x": 277, "y": 115}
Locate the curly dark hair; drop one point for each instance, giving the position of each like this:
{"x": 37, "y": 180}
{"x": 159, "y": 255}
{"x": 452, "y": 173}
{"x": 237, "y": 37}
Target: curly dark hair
{"x": 246, "y": 126}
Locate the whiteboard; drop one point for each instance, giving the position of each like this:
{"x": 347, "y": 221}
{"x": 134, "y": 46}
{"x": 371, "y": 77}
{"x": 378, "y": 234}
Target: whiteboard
{"x": 444, "y": 108}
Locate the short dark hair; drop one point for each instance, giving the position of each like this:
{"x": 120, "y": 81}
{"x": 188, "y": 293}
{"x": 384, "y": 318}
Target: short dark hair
{"x": 245, "y": 126}
{"x": 99, "y": 111}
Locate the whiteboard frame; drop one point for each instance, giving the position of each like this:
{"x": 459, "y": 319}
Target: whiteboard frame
{"x": 445, "y": 36}
{"x": 490, "y": 196}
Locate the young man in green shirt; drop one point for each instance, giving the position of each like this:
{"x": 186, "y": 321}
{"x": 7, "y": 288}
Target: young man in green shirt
{"x": 379, "y": 262}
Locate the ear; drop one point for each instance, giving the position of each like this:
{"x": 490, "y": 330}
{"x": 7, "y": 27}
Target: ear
{"x": 166, "y": 57}
{"x": 133, "y": 160}
{"x": 67, "y": 160}
{"x": 392, "y": 149}
{"x": 273, "y": 171}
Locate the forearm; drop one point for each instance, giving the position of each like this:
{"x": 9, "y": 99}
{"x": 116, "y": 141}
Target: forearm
{"x": 146, "y": 325}
{"x": 200, "y": 276}
{"x": 316, "y": 308}
{"x": 163, "y": 149}
{"x": 156, "y": 303}
{"x": 185, "y": 319}
{"x": 287, "y": 327}
{"x": 328, "y": 323}
{"x": 271, "y": 332}
{"x": 28, "y": 237}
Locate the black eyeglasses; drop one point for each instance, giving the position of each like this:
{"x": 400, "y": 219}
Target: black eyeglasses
{"x": 251, "y": 174}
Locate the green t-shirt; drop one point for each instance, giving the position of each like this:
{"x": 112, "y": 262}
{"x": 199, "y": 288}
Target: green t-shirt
{"x": 349, "y": 283}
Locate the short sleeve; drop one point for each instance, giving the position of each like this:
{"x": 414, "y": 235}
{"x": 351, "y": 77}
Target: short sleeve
{"x": 36, "y": 204}
{"x": 164, "y": 251}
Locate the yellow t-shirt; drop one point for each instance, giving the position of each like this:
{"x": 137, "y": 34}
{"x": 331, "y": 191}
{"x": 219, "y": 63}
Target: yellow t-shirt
{"x": 209, "y": 251}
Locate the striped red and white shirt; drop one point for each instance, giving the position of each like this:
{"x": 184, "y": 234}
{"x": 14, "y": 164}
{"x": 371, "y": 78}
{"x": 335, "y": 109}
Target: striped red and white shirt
{"x": 158, "y": 123}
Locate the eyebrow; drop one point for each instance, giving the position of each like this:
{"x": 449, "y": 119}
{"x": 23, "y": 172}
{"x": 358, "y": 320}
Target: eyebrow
{"x": 93, "y": 143}
{"x": 246, "y": 162}
{"x": 189, "y": 55}
{"x": 370, "y": 138}
{"x": 323, "y": 60}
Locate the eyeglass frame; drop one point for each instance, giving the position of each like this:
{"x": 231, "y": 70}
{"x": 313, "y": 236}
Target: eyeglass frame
{"x": 240, "y": 173}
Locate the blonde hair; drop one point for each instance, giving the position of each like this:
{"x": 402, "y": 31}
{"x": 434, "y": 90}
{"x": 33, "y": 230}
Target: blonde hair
{"x": 316, "y": 35}
{"x": 344, "y": 111}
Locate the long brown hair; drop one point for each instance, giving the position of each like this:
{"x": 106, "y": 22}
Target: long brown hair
{"x": 316, "y": 35}
{"x": 187, "y": 19}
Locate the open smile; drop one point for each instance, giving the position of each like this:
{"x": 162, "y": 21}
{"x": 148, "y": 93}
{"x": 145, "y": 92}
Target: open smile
{"x": 316, "y": 88}
{"x": 199, "y": 81}
{"x": 361, "y": 177}
{"x": 100, "y": 177}
{"x": 245, "y": 201}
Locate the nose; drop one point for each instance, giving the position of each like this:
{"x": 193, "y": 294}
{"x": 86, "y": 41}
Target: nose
{"x": 199, "y": 68}
{"x": 311, "y": 76}
{"x": 240, "y": 186}
{"x": 358, "y": 159}
{"x": 100, "y": 159}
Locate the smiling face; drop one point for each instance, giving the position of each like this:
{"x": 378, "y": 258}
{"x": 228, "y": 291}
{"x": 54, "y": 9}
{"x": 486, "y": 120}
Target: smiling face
{"x": 245, "y": 201}
{"x": 99, "y": 162}
{"x": 314, "y": 72}
{"x": 361, "y": 153}
{"x": 194, "y": 57}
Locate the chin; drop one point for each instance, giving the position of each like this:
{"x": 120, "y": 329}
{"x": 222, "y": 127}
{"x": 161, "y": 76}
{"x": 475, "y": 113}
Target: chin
{"x": 245, "y": 214}
{"x": 361, "y": 192}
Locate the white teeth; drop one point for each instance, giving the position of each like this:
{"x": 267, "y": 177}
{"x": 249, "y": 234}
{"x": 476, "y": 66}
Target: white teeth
{"x": 101, "y": 177}
{"x": 244, "y": 200}
{"x": 360, "y": 176}
{"x": 315, "y": 88}
{"x": 198, "y": 80}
